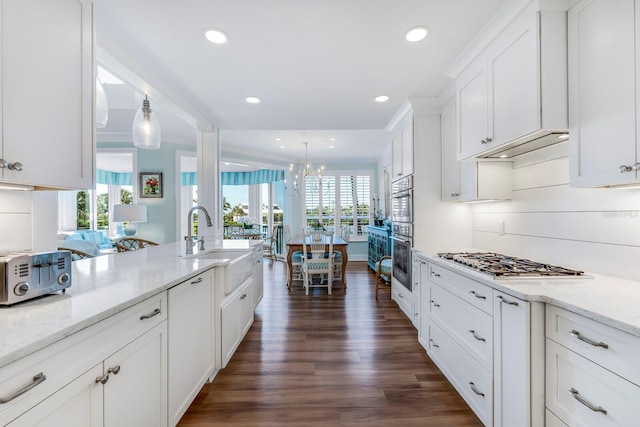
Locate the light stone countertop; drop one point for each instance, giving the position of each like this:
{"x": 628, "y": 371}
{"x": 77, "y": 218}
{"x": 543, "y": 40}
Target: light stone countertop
{"x": 606, "y": 299}
{"x": 101, "y": 287}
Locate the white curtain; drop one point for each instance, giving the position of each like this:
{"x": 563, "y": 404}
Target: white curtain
{"x": 67, "y": 210}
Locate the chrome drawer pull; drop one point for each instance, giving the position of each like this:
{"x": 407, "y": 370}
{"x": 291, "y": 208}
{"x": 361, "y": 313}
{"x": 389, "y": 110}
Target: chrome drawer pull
{"x": 585, "y": 402}
{"x": 506, "y": 301}
{"x": 243, "y": 296}
{"x": 103, "y": 379}
{"x": 435, "y": 304}
{"x": 198, "y": 280}
{"x": 476, "y": 336}
{"x": 475, "y": 390}
{"x": 149, "y": 316}
{"x": 476, "y": 295}
{"x": 433, "y": 343}
{"x": 37, "y": 379}
{"x": 576, "y": 334}
{"x": 433, "y": 273}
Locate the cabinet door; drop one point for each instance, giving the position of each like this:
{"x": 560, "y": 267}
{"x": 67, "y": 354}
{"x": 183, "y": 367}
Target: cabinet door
{"x": 450, "y": 166}
{"x": 136, "y": 392}
{"x": 47, "y": 91}
{"x": 514, "y": 74}
{"x": 472, "y": 111}
{"x": 512, "y": 379}
{"x": 246, "y": 308}
{"x": 407, "y": 149}
{"x": 396, "y": 155}
{"x": 191, "y": 357}
{"x": 78, "y": 404}
{"x": 423, "y": 302}
{"x": 468, "y": 171}
{"x": 230, "y": 328}
{"x": 602, "y": 91}
{"x": 258, "y": 279}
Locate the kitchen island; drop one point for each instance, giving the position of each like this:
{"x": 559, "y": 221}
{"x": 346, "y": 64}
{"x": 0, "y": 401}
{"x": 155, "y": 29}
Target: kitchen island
{"x": 118, "y": 307}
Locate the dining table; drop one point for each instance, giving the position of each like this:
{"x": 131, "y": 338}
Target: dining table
{"x": 296, "y": 243}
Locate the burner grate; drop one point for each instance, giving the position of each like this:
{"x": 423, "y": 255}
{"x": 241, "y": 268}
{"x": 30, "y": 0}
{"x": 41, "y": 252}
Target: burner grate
{"x": 499, "y": 265}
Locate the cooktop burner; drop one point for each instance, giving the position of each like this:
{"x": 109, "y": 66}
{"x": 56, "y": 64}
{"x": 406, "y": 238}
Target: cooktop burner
{"x": 503, "y": 266}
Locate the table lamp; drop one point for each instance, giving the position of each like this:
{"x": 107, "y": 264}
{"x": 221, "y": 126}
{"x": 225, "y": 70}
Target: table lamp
{"x": 131, "y": 214}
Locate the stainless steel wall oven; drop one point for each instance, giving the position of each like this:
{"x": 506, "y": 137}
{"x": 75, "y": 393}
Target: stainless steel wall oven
{"x": 402, "y": 230}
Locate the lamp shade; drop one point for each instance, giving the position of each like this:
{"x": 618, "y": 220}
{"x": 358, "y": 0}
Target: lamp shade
{"x": 130, "y": 214}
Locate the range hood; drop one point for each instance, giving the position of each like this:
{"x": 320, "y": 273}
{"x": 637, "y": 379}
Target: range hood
{"x": 526, "y": 144}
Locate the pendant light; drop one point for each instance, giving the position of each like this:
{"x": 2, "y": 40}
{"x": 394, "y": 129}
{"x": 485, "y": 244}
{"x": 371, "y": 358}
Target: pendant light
{"x": 146, "y": 129}
{"x": 102, "y": 105}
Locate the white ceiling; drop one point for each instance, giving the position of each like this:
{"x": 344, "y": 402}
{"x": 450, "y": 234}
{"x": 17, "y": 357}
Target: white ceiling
{"x": 316, "y": 65}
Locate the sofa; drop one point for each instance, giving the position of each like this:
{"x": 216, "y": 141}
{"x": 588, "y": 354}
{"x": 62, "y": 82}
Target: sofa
{"x": 98, "y": 237}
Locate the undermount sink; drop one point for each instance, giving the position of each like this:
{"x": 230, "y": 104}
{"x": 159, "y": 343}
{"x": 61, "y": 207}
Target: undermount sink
{"x": 238, "y": 269}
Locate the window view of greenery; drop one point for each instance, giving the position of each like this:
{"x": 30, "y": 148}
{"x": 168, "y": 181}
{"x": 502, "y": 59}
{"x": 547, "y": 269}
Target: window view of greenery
{"x": 343, "y": 199}
{"x": 102, "y": 202}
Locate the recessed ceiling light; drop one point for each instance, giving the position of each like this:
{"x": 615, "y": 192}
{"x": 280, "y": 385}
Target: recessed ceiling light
{"x": 331, "y": 146}
{"x": 216, "y": 36}
{"x": 563, "y": 136}
{"x": 503, "y": 156}
{"x": 332, "y": 139}
{"x": 416, "y": 34}
{"x": 253, "y": 100}
{"x": 278, "y": 139}
{"x": 381, "y": 98}
{"x": 282, "y": 146}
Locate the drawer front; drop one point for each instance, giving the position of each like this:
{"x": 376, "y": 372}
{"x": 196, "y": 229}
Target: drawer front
{"x": 582, "y": 393}
{"x": 552, "y": 421}
{"x": 473, "y": 292}
{"x": 404, "y": 299}
{"x": 470, "y": 327}
{"x": 474, "y": 384}
{"x": 608, "y": 347}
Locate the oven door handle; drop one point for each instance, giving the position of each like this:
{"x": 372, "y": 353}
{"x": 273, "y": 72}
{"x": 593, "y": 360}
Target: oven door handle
{"x": 397, "y": 239}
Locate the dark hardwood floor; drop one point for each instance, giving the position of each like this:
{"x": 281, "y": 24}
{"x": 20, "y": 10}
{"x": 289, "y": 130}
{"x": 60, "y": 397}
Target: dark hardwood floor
{"x": 340, "y": 360}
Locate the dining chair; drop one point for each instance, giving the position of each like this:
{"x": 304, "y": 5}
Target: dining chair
{"x": 126, "y": 244}
{"x": 269, "y": 243}
{"x": 383, "y": 273}
{"x": 345, "y": 233}
{"x": 317, "y": 260}
{"x": 296, "y": 256}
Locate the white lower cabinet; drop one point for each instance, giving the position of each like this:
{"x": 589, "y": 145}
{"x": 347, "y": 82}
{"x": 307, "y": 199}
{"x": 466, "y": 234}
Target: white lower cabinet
{"x": 191, "y": 342}
{"x": 112, "y": 373}
{"x": 471, "y": 380}
{"x": 490, "y": 345}
{"x": 135, "y": 393}
{"x": 258, "y": 275}
{"x": 236, "y": 317}
{"x": 591, "y": 371}
{"x": 404, "y": 298}
{"x": 78, "y": 404}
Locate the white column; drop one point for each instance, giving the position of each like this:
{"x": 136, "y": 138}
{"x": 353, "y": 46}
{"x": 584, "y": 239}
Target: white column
{"x": 209, "y": 188}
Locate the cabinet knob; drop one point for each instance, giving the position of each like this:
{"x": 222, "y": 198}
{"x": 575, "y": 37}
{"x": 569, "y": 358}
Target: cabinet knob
{"x": 636, "y": 167}
{"x": 103, "y": 379}
{"x": 625, "y": 168}
{"x": 455, "y": 194}
{"x": 114, "y": 370}
{"x": 3, "y": 163}
{"x": 486, "y": 140}
{"x": 17, "y": 166}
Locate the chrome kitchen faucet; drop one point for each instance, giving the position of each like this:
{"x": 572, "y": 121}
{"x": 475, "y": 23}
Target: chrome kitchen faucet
{"x": 189, "y": 243}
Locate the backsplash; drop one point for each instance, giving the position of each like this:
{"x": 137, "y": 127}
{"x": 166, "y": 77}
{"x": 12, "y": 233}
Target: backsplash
{"x": 28, "y": 220}
{"x": 591, "y": 229}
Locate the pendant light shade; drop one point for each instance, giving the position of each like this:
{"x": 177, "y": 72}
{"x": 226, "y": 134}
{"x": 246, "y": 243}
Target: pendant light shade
{"x": 102, "y": 106}
{"x": 146, "y": 128}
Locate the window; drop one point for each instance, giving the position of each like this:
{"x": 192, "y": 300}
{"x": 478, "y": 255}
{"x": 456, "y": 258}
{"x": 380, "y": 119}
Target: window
{"x": 341, "y": 200}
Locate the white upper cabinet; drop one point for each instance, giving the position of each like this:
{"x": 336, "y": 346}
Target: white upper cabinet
{"x": 515, "y": 91}
{"x": 603, "y": 75}
{"x": 402, "y": 150}
{"x": 47, "y": 93}
{"x": 470, "y": 180}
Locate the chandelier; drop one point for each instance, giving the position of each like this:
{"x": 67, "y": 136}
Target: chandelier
{"x": 300, "y": 173}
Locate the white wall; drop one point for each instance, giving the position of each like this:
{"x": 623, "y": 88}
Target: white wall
{"x": 596, "y": 230}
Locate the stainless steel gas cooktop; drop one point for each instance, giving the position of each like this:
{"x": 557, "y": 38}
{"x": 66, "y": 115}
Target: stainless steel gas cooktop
{"x": 503, "y": 266}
